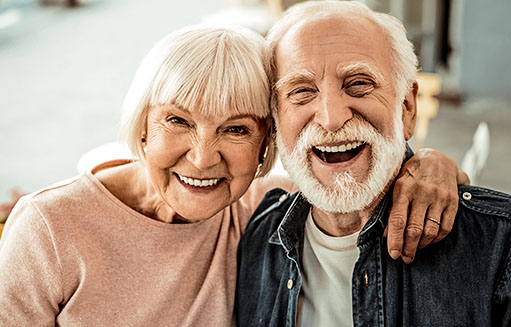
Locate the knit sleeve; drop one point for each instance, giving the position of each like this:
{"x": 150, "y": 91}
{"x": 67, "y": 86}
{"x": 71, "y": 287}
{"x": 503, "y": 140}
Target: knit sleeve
{"x": 30, "y": 274}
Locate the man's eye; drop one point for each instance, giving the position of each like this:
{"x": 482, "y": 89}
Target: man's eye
{"x": 359, "y": 88}
{"x": 302, "y": 95}
{"x": 177, "y": 121}
{"x": 237, "y": 130}
{"x": 301, "y": 91}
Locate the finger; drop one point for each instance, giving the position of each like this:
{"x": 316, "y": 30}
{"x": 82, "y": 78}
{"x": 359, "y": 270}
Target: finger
{"x": 462, "y": 178}
{"x": 431, "y": 228}
{"x": 448, "y": 218}
{"x": 396, "y": 225}
{"x": 414, "y": 230}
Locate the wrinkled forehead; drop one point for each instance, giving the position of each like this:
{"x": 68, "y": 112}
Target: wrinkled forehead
{"x": 315, "y": 39}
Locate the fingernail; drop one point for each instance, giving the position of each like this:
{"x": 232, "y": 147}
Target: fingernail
{"x": 406, "y": 259}
{"x": 395, "y": 254}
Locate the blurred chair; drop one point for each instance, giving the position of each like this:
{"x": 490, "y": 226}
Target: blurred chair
{"x": 276, "y": 7}
{"x": 427, "y": 105}
{"x": 109, "y": 152}
{"x": 476, "y": 157}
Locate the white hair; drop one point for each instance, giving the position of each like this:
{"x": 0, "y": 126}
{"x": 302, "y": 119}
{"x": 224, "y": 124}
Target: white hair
{"x": 402, "y": 56}
{"x": 210, "y": 69}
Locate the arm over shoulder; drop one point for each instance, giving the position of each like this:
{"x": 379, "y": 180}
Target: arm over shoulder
{"x": 30, "y": 283}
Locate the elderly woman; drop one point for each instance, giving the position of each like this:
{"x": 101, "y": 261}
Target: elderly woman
{"x": 153, "y": 242}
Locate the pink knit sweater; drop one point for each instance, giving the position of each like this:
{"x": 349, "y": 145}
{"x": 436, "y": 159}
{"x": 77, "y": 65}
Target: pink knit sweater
{"x": 74, "y": 255}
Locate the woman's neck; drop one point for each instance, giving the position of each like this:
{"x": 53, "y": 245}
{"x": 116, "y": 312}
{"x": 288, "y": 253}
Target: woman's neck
{"x": 130, "y": 184}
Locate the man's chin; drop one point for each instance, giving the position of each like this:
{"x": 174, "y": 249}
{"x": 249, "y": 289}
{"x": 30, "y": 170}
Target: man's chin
{"x": 347, "y": 196}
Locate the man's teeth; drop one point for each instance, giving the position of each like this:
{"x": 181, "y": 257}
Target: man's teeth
{"x": 199, "y": 182}
{"x": 340, "y": 148}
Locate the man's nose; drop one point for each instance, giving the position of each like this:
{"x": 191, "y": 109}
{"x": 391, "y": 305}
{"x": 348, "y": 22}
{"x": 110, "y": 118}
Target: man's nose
{"x": 334, "y": 111}
{"x": 204, "y": 154}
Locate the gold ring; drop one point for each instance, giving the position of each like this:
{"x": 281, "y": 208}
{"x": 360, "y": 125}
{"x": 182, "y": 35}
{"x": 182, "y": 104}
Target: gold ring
{"x": 433, "y": 220}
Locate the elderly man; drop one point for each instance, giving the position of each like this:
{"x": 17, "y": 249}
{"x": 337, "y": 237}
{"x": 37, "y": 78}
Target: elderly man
{"x": 344, "y": 106}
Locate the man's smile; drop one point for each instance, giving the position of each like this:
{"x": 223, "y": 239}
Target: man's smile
{"x": 338, "y": 153}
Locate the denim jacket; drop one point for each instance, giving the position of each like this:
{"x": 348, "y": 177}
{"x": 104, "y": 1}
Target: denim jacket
{"x": 464, "y": 280}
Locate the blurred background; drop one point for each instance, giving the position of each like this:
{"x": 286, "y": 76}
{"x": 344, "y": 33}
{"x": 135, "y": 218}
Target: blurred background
{"x": 65, "y": 66}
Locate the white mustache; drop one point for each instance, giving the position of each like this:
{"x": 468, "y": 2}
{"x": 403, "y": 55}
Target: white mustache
{"x": 356, "y": 129}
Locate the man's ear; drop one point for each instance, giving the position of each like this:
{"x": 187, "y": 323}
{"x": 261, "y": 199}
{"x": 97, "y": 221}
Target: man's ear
{"x": 410, "y": 111}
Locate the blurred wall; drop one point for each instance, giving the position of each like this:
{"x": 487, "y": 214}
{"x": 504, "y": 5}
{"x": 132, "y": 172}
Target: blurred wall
{"x": 485, "y": 50}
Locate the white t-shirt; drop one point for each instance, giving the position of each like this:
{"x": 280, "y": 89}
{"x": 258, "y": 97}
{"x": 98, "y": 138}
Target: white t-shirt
{"x": 328, "y": 263}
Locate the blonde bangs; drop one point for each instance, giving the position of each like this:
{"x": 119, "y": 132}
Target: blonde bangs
{"x": 216, "y": 73}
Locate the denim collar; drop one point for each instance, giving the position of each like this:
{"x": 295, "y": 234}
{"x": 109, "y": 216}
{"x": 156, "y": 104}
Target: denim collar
{"x": 290, "y": 231}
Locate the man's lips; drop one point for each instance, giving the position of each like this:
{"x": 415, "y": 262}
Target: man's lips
{"x": 338, "y": 153}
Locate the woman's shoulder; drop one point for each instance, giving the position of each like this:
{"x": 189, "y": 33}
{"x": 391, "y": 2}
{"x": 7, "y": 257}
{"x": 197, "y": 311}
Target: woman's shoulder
{"x": 64, "y": 196}
{"x": 44, "y": 205}
{"x": 79, "y": 194}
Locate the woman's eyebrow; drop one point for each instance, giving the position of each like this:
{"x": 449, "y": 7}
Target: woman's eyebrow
{"x": 180, "y": 107}
{"x": 295, "y": 77}
{"x": 242, "y": 116}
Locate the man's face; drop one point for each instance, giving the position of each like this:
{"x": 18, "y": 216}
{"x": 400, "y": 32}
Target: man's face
{"x": 340, "y": 126}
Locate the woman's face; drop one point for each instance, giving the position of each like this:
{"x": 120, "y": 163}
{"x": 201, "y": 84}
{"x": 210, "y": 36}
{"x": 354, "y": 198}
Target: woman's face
{"x": 200, "y": 164}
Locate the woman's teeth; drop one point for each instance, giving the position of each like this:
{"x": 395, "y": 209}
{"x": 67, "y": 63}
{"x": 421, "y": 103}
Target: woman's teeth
{"x": 340, "y": 148}
{"x": 199, "y": 182}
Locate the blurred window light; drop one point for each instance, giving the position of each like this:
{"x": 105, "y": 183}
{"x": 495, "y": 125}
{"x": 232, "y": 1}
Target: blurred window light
{"x": 9, "y": 17}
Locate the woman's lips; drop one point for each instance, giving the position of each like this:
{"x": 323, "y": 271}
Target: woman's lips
{"x": 200, "y": 185}
{"x": 198, "y": 182}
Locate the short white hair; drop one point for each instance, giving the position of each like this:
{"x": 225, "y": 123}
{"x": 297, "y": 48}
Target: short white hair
{"x": 210, "y": 69}
{"x": 402, "y": 56}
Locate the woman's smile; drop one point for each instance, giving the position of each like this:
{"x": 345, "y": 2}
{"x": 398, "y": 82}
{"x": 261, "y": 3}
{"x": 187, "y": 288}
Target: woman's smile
{"x": 200, "y": 186}
{"x": 205, "y": 182}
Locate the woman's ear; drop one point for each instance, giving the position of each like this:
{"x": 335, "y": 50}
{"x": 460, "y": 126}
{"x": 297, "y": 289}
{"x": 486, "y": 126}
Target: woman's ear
{"x": 264, "y": 150}
{"x": 410, "y": 111}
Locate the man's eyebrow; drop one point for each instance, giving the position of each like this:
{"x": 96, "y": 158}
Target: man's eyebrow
{"x": 359, "y": 68}
{"x": 295, "y": 77}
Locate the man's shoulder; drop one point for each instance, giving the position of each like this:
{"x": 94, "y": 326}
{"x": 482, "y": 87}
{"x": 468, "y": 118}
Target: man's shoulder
{"x": 271, "y": 210}
{"x": 275, "y": 204}
{"x": 484, "y": 202}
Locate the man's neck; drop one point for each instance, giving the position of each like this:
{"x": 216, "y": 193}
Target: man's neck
{"x": 341, "y": 224}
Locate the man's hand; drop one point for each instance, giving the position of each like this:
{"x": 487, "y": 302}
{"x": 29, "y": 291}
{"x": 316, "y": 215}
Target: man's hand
{"x": 426, "y": 193}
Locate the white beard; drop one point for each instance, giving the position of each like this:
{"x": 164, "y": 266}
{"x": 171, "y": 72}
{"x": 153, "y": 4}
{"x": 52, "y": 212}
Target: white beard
{"x": 347, "y": 195}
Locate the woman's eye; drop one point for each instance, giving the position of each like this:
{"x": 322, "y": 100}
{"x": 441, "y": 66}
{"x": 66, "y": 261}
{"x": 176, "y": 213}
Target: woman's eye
{"x": 177, "y": 121}
{"x": 237, "y": 130}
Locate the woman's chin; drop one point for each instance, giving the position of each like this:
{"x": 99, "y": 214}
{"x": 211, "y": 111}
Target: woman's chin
{"x": 194, "y": 216}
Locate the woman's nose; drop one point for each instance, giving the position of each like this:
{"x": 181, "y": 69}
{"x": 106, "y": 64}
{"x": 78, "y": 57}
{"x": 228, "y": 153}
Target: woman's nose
{"x": 203, "y": 155}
